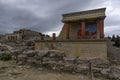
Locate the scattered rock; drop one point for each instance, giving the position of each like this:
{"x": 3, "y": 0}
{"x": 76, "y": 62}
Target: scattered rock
{"x": 114, "y": 73}
{"x": 3, "y": 67}
{"x": 40, "y": 69}
{"x": 99, "y": 63}
{"x": 14, "y": 72}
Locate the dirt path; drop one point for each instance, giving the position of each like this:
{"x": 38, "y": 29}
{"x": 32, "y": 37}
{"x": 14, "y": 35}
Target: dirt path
{"x": 11, "y": 71}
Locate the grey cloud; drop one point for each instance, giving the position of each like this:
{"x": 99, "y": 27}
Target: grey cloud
{"x": 112, "y": 21}
{"x": 16, "y": 17}
{"x": 42, "y": 15}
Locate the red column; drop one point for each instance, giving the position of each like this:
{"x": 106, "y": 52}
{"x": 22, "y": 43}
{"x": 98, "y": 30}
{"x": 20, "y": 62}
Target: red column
{"x": 67, "y": 30}
{"x": 78, "y": 34}
{"x": 101, "y": 28}
{"x": 54, "y": 36}
{"x": 83, "y": 28}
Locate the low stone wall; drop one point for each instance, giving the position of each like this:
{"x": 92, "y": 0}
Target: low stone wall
{"x": 77, "y": 48}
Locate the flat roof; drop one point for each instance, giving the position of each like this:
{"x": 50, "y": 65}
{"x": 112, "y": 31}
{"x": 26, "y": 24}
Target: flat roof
{"x": 88, "y": 14}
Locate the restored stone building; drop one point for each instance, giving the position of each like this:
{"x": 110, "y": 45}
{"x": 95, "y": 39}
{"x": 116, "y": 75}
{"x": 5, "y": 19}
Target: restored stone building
{"x": 81, "y": 36}
{"x": 24, "y": 34}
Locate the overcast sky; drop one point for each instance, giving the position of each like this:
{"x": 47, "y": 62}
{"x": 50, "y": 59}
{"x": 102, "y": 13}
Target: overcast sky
{"x": 45, "y": 15}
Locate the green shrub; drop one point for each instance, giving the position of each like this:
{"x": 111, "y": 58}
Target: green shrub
{"x": 5, "y": 57}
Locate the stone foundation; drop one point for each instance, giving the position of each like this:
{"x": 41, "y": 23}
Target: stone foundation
{"x": 73, "y": 48}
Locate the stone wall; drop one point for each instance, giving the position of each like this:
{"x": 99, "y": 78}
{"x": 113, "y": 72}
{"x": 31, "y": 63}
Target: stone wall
{"x": 83, "y": 49}
{"x": 73, "y": 31}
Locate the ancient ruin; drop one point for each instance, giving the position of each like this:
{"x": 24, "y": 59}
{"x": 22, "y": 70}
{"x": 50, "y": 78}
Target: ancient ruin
{"x": 23, "y": 34}
{"x": 80, "y": 52}
{"x": 81, "y": 36}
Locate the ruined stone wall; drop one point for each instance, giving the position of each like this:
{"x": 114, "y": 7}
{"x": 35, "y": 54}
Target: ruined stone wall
{"x": 83, "y": 49}
{"x": 13, "y": 36}
{"x": 27, "y": 32}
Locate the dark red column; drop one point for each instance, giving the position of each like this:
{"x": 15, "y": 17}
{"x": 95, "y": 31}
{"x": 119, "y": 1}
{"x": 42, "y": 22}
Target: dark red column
{"x": 83, "y": 28}
{"x": 79, "y": 34}
{"x": 67, "y": 30}
{"x": 101, "y": 28}
{"x": 54, "y": 36}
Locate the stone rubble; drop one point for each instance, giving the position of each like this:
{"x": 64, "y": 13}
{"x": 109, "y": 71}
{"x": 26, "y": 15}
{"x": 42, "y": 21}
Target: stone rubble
{"x": 57, "y": 61}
